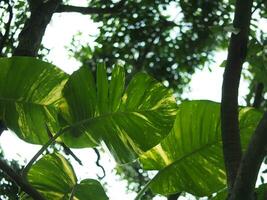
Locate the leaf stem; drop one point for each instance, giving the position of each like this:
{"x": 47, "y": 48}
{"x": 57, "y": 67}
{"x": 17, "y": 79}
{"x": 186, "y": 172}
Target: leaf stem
{"x": 44, "y": 147}
{"x": 143, "y": 190}
{"x": 72, "y": 192}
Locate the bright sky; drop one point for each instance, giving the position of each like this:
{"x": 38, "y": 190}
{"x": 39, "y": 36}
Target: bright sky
{"x": 204, "y": 85}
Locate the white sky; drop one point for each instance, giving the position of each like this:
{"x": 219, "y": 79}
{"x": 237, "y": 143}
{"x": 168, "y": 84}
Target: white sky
{"x": 204, "y": 85}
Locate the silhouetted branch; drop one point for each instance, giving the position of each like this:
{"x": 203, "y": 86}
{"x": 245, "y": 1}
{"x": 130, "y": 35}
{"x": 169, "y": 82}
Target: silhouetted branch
{"x": 32, "y": 33}
{"x": 251, "y": 162}
{"x": 258, "y": 95}
{"x": 229, "y": 107}
{"x": 67, "y": 150}
{"x": 26, "y": 187}
{"x": 91, "y": 10}
{"x": 258, "y": 6}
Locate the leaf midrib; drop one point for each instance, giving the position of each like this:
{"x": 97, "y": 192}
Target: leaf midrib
{"x": 208, "y": 145}
{"x": 106, "y": 115}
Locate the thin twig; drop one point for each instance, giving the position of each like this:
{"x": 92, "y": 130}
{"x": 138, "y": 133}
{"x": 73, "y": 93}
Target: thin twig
{"x": 143, "y": 190}
{"x": 72, "y": 192}
{"x": 98, "y": 164}
{"x": 257, "y": 7}
{"x": 91, "y": 10}
{"x": 67, "y": 150}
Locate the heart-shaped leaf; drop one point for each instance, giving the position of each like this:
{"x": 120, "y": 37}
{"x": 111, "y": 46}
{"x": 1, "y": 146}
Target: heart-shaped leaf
{"x": 190, "y": 158}
{"x": 30, "y": 91}
{"x": 129, "y": 122}
{"x": 54, "y": 178}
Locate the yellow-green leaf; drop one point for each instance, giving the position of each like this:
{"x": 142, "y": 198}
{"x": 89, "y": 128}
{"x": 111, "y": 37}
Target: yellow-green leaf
{"x": 30, "y": 91}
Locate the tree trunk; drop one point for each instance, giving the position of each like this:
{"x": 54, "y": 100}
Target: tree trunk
{"x": 229, "y": 107}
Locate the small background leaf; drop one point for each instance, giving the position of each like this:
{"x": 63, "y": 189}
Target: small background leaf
{"x": 89, "y": 189}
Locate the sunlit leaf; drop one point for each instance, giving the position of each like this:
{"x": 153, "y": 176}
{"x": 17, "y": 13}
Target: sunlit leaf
{"x": 30, "y": 90}
{"x": 190, "y": 158}
{"x": 54, "y": 178}
{"x": 129, "y": 122}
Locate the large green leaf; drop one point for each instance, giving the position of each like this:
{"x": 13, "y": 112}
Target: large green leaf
{"x": 190, "y": 158}
{"x": 129, "y": 122}
{"x": 30, "y": 90}
{"x": 54, "y": 178}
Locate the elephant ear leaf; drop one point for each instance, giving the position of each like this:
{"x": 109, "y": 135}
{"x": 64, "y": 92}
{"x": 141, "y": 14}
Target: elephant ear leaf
{"x": 129, "y": 121}
{"x": 54, "y": 177}
{"x": 30, "y": 91}
{"x": 193, "y": 150}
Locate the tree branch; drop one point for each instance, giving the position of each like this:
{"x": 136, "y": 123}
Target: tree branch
{"x": 251, "y": 162}
{"x": 26, "y": 187}
{"x": 258, "y": 95}
{"x": 31, "y": 35}
{"x": 91, "y": 10}
{"x": 229, "y": 108}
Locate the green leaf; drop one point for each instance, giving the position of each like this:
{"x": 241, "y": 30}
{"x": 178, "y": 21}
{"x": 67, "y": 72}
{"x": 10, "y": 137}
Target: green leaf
{"x": 190, "y": 158}
{"x": 102, "y": 89}
{"x": 116, "y": 88}
{"x": 30, "y": 91}
{"x": 89, "y": 189}
{"x": 128, "y": 123}
{"x": 223, "y": 64}
{"x": 53, "y": 176}
{"x": 261, "y": 191}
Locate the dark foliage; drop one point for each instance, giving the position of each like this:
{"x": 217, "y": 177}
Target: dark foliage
{"x": 8, "y": 190}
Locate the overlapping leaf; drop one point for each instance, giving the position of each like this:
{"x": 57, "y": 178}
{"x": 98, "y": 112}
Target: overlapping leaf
{"x": 54, "y": 178}
{"x": 30, "y": 89}
{"x": 190, "y": 157}
{"x": 89, "y": 189}
{"x": 129, "y": 122}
